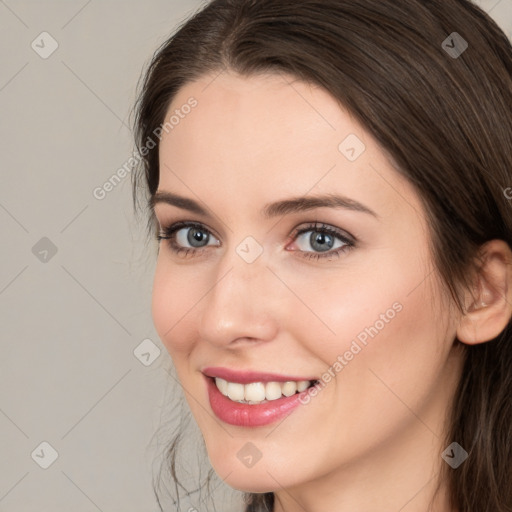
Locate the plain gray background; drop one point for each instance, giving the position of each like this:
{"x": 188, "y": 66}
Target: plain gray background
{"x": 75, "y": 274}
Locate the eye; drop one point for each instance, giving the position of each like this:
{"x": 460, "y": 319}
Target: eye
{"x": 192, "y": 238}
{"x": 186, "y": 238}
{"x": 325, "y": 241}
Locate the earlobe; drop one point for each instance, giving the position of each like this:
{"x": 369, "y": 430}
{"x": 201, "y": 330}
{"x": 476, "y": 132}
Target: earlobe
{"x": 489, "y": 310}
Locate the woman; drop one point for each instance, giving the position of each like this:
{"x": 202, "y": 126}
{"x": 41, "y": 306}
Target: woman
{"x": 328, "y": 182}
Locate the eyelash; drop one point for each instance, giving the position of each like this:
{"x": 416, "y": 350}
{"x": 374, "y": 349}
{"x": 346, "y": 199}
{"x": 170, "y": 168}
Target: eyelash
{"x": 168, "y": 234}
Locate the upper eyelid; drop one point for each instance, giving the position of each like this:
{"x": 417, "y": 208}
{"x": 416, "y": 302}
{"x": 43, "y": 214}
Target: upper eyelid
{"x": 322, "y": 226}
{"x": 176, "y": 226}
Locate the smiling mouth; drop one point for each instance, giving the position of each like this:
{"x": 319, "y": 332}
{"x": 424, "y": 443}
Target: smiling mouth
{"x": 254, "y": 393}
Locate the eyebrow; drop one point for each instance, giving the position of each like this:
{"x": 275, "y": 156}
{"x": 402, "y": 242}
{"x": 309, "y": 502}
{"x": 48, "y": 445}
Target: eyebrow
{"x": 278, "y": 208}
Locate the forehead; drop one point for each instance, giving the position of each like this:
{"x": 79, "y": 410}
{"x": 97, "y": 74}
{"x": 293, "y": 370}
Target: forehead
{"x": 263, "y": 137}
{"x": 264, "y": 113}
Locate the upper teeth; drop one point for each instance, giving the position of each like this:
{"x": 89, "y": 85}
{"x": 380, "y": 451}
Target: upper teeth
{"x": 256, "y": 392}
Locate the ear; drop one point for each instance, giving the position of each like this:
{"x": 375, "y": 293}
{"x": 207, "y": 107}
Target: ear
{"x": 489, "y": 309}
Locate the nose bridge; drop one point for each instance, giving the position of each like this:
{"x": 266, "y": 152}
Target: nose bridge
{"x": 237, "y": 303}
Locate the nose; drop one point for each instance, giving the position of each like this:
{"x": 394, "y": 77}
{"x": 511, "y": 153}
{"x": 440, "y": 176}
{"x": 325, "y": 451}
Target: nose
{"x": 240, "y": 305}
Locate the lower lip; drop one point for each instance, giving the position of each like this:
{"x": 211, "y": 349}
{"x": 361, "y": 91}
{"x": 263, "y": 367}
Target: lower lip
{"x": 247, "y": 415}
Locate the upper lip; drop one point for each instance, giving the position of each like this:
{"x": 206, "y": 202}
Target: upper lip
{"x": 247, "y": 376}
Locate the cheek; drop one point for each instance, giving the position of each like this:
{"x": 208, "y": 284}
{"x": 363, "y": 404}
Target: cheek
{"x": 377, "y": 318}
{"x": 393, "y": 348}
{"x": 347, "y": 308}
{"x": 380, "y": 300}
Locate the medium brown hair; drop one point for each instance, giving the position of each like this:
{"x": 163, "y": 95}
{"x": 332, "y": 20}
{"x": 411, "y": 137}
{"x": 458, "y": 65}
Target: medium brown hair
{"x": 444, "y": 120}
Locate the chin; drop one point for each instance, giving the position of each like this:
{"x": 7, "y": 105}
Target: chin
{"x": 263, "y": 476}
{"x": 249, "y": 482}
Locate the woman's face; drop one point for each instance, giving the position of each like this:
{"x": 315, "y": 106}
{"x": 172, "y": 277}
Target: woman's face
{"x": 357, "y": 308}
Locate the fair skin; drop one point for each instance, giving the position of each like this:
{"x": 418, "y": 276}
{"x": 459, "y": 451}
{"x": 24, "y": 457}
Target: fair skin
{"x": 372, "y": 438}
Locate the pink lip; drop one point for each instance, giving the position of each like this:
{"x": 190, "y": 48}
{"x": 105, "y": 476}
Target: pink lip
{"x": 247, "y": 415}
{"x": 246, "y": 377}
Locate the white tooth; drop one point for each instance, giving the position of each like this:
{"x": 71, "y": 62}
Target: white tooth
{"x": 289, "y": 388}
{"x": 222, "y": 385}
{"x": 272, "y": 390}
{"x": 255, "y": 392}
{"x": 235, "y": 391}
{"x": 302, "y": 385}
